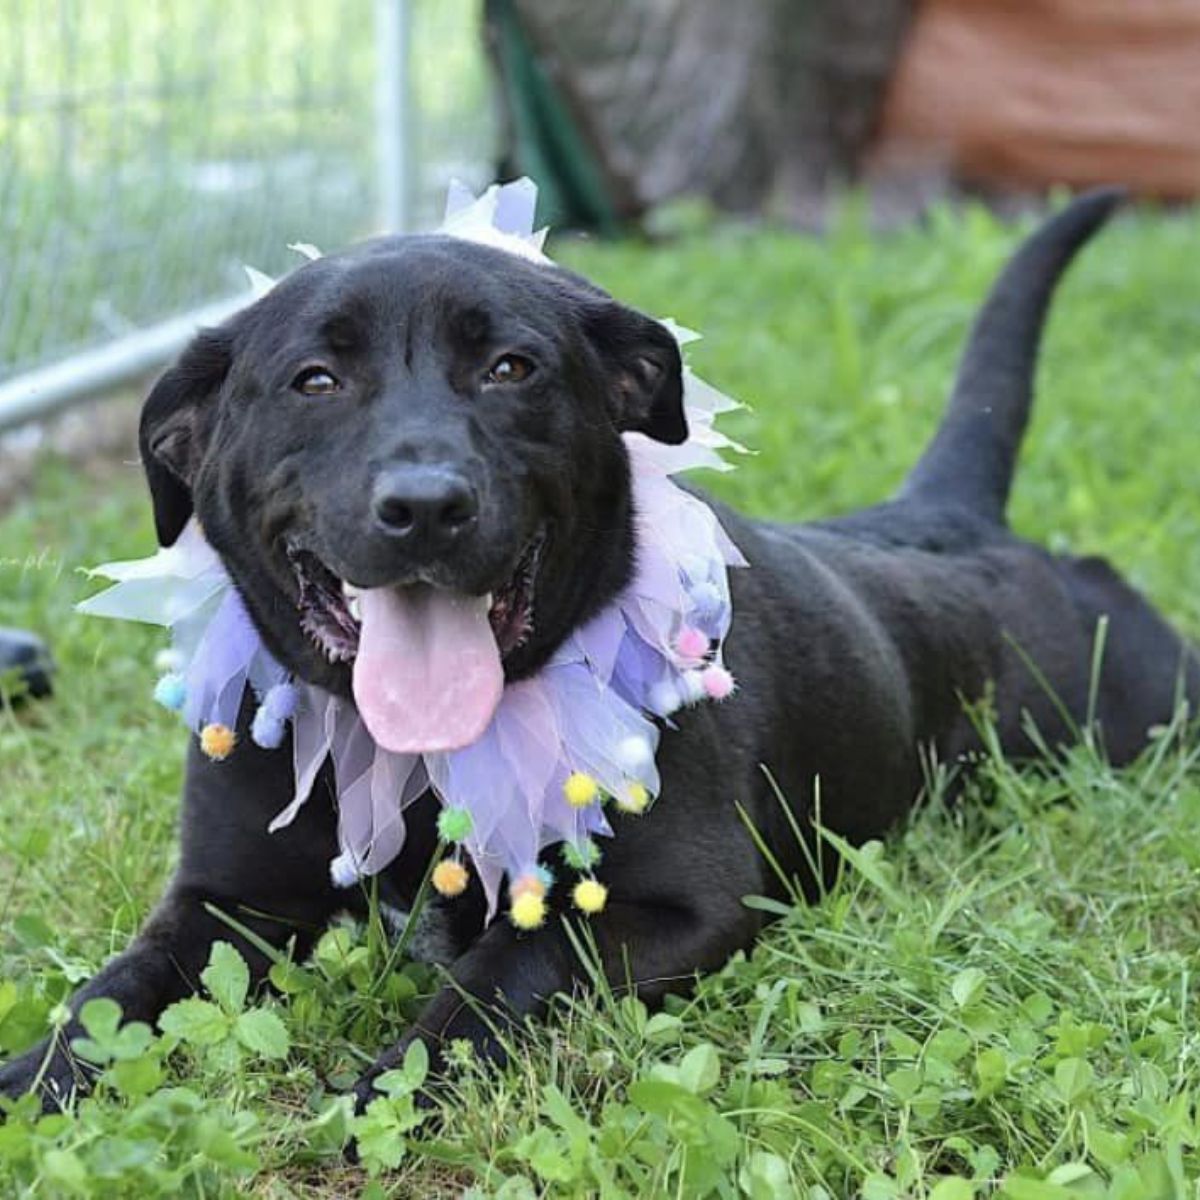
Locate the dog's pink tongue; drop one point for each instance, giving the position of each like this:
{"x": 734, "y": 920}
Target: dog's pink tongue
{"x": 428, "y": 674}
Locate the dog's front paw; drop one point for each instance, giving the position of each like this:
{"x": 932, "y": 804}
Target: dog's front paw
{"x": 410, "y": 1091}
{"x": 55, "y": 1074}
{"x": 420, "y": 1075}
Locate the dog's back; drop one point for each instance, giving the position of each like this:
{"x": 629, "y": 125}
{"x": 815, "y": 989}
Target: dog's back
{"x": 895, "y": 616}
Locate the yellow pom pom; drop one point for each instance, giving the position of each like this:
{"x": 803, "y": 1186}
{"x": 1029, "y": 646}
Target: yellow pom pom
{"x": 633, "y": 799}
{"x": 450, "y": 877}
{"x": 527, "y": 911}
{"x": 589, "y": 895}
{"x": 581, "y": 790}
{"x": 217, "y": 741}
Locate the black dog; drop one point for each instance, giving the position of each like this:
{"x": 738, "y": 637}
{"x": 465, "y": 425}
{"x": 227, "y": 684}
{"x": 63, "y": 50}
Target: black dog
{"x": 423, "y": 411}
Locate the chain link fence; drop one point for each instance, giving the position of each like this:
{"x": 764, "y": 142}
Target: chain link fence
{"x": 149, "y": 149}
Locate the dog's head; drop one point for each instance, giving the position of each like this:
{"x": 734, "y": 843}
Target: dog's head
{"x": 416, "y": 420}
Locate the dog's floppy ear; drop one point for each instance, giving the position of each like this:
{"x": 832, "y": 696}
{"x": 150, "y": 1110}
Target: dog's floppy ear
{"x": 170, "y": 436}
{"x": 645, "y": 369}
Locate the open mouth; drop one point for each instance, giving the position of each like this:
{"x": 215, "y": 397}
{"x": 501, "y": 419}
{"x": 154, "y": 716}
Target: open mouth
{"x": 330, "y": 608}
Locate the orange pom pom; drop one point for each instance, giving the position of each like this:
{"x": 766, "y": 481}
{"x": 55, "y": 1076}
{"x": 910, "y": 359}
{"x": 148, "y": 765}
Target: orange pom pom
{"x": 526, "y": 885}
{"x": 450, "y": 877}
{"x": 217, "y": 741}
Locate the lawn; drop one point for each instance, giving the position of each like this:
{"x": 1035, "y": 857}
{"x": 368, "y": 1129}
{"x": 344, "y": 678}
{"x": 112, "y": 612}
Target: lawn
{"x": 997, "y": 1000}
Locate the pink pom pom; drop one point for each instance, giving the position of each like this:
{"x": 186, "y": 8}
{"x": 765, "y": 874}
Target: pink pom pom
{"x": 718, "y": 683}
{"x": 691, "y": 643}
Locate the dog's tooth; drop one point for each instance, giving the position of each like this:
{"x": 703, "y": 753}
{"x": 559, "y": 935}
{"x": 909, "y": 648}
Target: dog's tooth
{"x": 350, "y": 591}
{"x": 354, "y": 606}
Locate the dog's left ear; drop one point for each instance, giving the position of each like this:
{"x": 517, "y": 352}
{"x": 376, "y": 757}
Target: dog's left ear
{"x": 174, "y": 424}
{"x": 645, "y": 371}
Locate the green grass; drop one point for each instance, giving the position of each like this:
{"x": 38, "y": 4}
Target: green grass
{"x": 999, "y": 1000}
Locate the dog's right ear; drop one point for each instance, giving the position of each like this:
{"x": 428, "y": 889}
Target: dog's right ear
{"x": 645, "y": 371}
{"x": 174, "y": 425}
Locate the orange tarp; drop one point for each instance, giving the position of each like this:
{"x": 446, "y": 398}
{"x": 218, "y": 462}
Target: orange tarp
{"x": 1033, "y": 93}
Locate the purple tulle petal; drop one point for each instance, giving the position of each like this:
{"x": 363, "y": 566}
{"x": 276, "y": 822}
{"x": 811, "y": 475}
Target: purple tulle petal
{"x": 515, "y": 206}
{"x": 600, "y": 640}
{"x": 312, "y": 735}
{"x": 640, "y": 668}
{"x": 217, "y": 674}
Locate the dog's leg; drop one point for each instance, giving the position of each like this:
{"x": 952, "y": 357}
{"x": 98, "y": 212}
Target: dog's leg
{"x": 507, "y": 975}
{"x": 659, "y": 928}
{"x": 162, "y": 965}
{"x": 276, "y": 885}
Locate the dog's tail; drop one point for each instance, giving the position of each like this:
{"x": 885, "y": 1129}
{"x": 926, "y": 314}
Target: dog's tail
{"x": 971, "y": 458}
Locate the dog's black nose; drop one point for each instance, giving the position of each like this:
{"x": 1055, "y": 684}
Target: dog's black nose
{"x": 424, "y": 504}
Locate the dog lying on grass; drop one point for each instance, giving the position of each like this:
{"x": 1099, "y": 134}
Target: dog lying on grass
{"x": 428, "y": 413}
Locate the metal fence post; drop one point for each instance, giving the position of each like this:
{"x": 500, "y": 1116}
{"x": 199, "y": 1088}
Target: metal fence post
{"x": 393, "y": 27}
{"x": 36, "y": 395}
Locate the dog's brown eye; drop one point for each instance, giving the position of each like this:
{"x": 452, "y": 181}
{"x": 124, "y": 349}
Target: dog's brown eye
{"x": 509, "y": 368}
{"x": 315, "y": 381}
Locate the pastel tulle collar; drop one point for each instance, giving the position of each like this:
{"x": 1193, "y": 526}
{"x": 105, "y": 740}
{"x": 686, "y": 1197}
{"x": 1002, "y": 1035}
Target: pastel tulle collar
{"x": 582, "y": 732}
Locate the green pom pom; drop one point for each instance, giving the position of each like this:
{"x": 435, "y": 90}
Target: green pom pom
{"x": 454, "y": 824}
{"x": 581, "y": 856}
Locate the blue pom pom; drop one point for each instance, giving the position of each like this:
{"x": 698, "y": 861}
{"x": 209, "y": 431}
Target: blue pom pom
{"x": 344, "y": 871}
{"x": 171, "y": 691}
{"x": 280, "y": 702}
{"x": 545, "y": 875}
{"x": 265, "y": 730}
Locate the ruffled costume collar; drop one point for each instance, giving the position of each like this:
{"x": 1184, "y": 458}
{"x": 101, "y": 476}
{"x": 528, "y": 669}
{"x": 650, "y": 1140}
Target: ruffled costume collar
{"x": 580, "y": 733}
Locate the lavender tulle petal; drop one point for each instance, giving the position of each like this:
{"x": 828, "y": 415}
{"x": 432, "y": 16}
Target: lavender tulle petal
{"x": 640, "y": 668}
{"x": 599, "y": 721}
{"x": 312, "y": 735}
{"x": 353, "y": 751}
{"x": 530, "y": 742}
{"x": 515, "y": 206}
{"x": 217, "y": 674}
{"x": 187, "y": 633}
{"x": 458, "y": 198}
{"x": 600, "y": 640}
{"x": 387, "y": 785}
{"x": 266, "y": 673}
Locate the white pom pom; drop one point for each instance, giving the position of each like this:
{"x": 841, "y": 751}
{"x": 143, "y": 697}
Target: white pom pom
{"x": 632, "y": 754}
{"x": 168, "y": 659}
{"x": 691, "y": 683}
{"x": 344, "y": 871}
{"x": 663, "y": 698}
